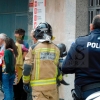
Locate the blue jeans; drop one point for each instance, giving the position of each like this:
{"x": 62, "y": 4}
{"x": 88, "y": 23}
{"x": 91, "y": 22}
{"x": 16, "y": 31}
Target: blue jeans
{"x": 7, "y": 83}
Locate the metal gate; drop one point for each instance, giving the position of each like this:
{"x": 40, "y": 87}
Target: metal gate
{"x": 13, "y": 14}
{"x": 94, "y": 9}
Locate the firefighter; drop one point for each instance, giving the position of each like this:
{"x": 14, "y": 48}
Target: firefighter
{"x": 40, "y": 65}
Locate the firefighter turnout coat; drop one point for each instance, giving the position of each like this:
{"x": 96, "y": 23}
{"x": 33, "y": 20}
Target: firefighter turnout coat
{"x": 40, "y": 66}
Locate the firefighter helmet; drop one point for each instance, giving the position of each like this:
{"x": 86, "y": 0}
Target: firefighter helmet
{"x": 41, "y": 29}
{"x": 62, "y": 49}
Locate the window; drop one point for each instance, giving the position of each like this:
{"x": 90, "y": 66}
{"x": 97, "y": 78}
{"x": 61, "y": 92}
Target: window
{"x": 13, "y": 14}
{"x": 91, "y": 3}
{"x": 98, "y": 2}
{"x": 98, "y": 11}
{"x": 90, "y": 16}
{"x": 94, "y": 9}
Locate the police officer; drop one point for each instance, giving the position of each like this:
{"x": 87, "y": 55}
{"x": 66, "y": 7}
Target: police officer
{"x": 83, "y": 59}
{"x": 40, "y": 66}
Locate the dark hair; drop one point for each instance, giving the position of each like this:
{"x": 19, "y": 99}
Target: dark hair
{"x": 11, "y": 44}
{"x": 20, "y": 32}
{"x": 96, "y": 22}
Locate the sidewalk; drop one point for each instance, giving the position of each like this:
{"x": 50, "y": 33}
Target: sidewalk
{"x": 66, "y": 90}
{"x": 1, "y": 96}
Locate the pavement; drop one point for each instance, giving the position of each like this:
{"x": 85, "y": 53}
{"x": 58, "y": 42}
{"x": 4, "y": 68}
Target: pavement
{"x": 1, "y": 96}
{"x": 65, "y": 91}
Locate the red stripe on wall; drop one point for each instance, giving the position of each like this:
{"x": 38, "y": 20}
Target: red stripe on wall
{"x": 44, "y": 2}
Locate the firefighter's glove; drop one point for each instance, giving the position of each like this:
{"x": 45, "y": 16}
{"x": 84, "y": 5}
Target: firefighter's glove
{"x": 26, "y": 88}
{"x": 64, "y": 82}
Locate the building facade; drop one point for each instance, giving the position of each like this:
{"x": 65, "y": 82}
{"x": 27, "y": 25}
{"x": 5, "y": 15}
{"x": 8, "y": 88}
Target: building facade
{"x": 13, "y": 15}
{"x": 69, "y": 18}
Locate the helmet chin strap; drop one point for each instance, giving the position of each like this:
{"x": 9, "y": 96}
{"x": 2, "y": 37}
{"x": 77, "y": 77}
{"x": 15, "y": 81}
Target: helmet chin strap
{"x": 46, "y": 38}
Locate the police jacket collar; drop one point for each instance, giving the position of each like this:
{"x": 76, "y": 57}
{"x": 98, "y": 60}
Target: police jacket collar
{"x": 95, "y": 31}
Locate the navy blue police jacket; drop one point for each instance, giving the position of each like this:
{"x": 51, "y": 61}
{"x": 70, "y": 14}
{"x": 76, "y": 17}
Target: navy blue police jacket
{"x": 83, "y": 59}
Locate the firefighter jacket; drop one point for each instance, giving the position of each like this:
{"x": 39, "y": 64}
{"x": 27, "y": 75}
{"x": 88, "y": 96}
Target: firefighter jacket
{"x": 40, "y": 66}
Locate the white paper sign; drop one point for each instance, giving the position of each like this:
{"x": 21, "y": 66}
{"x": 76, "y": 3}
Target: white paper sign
{"x": 38, "y": 12}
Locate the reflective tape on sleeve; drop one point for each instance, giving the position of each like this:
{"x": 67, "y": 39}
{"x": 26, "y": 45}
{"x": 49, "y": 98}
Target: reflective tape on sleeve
{"x": 43, "y": 82}
{"x": 26, "y": 78}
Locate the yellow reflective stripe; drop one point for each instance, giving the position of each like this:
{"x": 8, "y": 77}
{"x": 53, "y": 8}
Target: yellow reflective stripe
{"x": 57, "y": 58}
{"x": 48, "y": 51}
{"x": 37, "y": 67}
{"x": 45, "y": 50}
{"x": 26, "y": 78}
{"x": 43, "y": 82}
{"x": 38, "y": 71}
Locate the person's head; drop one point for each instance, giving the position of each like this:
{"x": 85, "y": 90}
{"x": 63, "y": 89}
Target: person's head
{"x": 95, "y": 23}
{"x": 19, "y": 34}
{"x": 2, "y": 38}
{"x": 43, "y": 30}
{"x": 10, "y": 44}
{"x": 32, "y": 36}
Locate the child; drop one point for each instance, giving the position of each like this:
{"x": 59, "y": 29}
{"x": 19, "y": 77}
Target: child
{"x": 8, "y": 74}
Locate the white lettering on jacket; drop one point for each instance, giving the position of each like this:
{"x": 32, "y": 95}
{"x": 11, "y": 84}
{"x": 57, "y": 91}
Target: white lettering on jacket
{"x": 93, "y": 45}
{"x": 47, "y": 56}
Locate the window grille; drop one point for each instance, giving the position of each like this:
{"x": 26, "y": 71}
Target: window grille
{"x": 91, "y": 2}
{"x": 98, "y": 11}
{"x": 98, "y": 2}
{"x": 90, "y": 16}
{"x": 94, "y": 9}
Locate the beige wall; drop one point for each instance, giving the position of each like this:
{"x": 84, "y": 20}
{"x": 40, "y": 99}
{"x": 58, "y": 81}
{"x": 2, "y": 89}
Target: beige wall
{"x": 67, "y": 19}
{"x": 81, "y": 18}
{"x": 55, "y": 15}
